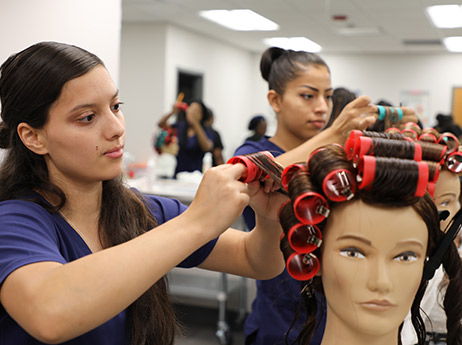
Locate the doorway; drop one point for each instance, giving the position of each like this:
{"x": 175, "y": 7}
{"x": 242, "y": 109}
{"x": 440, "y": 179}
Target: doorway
{"x": 191, "y": 84}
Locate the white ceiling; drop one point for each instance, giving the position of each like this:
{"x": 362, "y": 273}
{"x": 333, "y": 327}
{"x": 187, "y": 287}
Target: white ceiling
{"x": 403, "y": 25}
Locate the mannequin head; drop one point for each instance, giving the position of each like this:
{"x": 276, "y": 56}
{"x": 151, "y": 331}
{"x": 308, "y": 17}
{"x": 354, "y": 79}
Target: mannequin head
{"x": 447, "y": 194}
{"x": 379, "y": 227}
{"x": 371, "y": 268}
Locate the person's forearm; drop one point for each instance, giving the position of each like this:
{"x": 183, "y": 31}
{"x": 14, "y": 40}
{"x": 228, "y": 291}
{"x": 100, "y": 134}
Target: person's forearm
{"x": 163, "y": 122}
{"x": 253, "y": 254}
{"x": 302, "y": 152}
{"x": 263, "y": 248}
{"x": 74, "y": 298}
{"x": 204, "y": 142}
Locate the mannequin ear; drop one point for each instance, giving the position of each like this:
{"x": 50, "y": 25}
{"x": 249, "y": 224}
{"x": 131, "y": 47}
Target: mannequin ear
{"x": 32, "y": 138}
{"x": 274, "y": 100}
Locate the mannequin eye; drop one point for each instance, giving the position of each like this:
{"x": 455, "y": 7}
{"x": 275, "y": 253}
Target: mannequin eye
{"x": 444, "y": 203}
{"x": 353, "y": 253}
{"x": 406, "y": 257}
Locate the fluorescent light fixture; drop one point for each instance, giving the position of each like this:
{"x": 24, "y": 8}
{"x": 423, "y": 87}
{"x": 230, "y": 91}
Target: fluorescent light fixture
{"x": 453, "y": 44}
{"x": 294, "y": 43}
{"x": 240, "y": 20}
{"x": 359, "y": 31}
{"x": 446, "y": 16}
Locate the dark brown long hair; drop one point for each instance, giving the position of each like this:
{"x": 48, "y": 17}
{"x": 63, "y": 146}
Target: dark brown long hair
{"x": 30, "y": 82}
{"x": 395, "y": 184}
{"x": 385, "y": 192}
{"x": 279, "y": 66}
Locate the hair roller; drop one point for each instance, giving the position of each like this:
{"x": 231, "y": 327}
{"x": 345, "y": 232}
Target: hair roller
{"x": 351, "y": 142}
{"x": 454, "y": 162}
{"x": 432, "y": 152}
{"x": 331, "y": 169}
{"x": 266, "y": 162}
{"x": 309, "y": 206}
{"x": 385, "y": 147}
{"x": 434, "y": 169}
{"x": 258, "y": 165}
{"x": 410, "y": 178}
{"x": 302, "y": 266}
{"x": 289, "y": 172}
{"x": 302, "y": 238}
{"x": 429, "y": 135}
{"x": 412, "y": 126}
{"x": 252, "y": 171}
{"x": 391, "y": 133}
{"x": 393, "y": 130}
{"x": 410, "y": 133}
{"x": 450, "y": 140}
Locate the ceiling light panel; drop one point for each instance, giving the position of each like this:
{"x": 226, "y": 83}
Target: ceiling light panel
{"x": 294, "y": 43}
{"x": 240, "y": 20}
{"x": 446, "y": 16}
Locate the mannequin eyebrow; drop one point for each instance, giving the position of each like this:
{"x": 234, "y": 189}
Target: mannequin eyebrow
{"x": 447, "y": 194}
{"x": 354, "y": 237}
{"x": 410, "y": 242}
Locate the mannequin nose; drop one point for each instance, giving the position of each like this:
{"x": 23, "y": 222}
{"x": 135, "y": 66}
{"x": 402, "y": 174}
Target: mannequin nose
{"x": 380, "y": 277}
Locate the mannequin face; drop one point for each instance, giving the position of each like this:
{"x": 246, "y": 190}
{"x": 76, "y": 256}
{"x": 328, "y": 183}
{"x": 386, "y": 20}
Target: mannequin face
{"x": 371, "y": 268}
{"x": 446, "y": 196}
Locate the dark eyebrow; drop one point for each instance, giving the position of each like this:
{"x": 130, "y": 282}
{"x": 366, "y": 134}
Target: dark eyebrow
{"x": 407, "y": 242}
{"x": 353, "y": 237}
{"x": 89, "y": 105}
{"x": 366, "y": 241}
{"x": 315, "y": 89}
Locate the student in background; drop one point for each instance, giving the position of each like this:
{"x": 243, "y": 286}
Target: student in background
{"x": 194, "y": 137}
{"x": 217, "y": 151}
{"x": 258, "y": 126}
{"x": 300, "y": 93}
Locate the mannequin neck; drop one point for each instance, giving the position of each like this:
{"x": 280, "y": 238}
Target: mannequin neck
{"x": 337, "y": 332}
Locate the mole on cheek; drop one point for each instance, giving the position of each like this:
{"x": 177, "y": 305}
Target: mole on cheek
{"x": 96, "y": 148}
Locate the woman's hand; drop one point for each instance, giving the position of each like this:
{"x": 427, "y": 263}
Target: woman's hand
{"x": 265, "y": 200}
{"x": 358, "y": 114}
{"x": 409, "y": 115}
{"x": 194, "y": 116}
{"x": 220, "y": 199}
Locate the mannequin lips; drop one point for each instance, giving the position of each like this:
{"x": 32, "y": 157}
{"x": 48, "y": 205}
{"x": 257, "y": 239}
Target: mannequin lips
{"x": 378, "y": 305}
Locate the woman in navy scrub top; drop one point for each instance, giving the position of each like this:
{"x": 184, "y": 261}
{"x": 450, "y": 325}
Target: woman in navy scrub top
{"x": 194, "y": 137}
{"x": 300, "y": 93}
{"x": 83, "y": 257}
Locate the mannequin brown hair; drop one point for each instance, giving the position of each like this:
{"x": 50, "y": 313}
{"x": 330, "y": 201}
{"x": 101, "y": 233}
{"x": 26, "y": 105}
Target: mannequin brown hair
{"x": 394, "y": 185}
{"x": 385, "y": 192}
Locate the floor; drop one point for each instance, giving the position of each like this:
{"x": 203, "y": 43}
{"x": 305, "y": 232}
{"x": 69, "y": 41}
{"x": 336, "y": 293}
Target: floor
{"x": 200, "y": 326}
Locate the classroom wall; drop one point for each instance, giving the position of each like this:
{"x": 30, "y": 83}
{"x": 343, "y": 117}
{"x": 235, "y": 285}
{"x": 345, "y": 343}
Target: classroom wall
{"x": 151, "y": 56}
{"x": 235, "y": 91}
{"x": 388, "y": 75}
{"x": 93, "y": 25}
